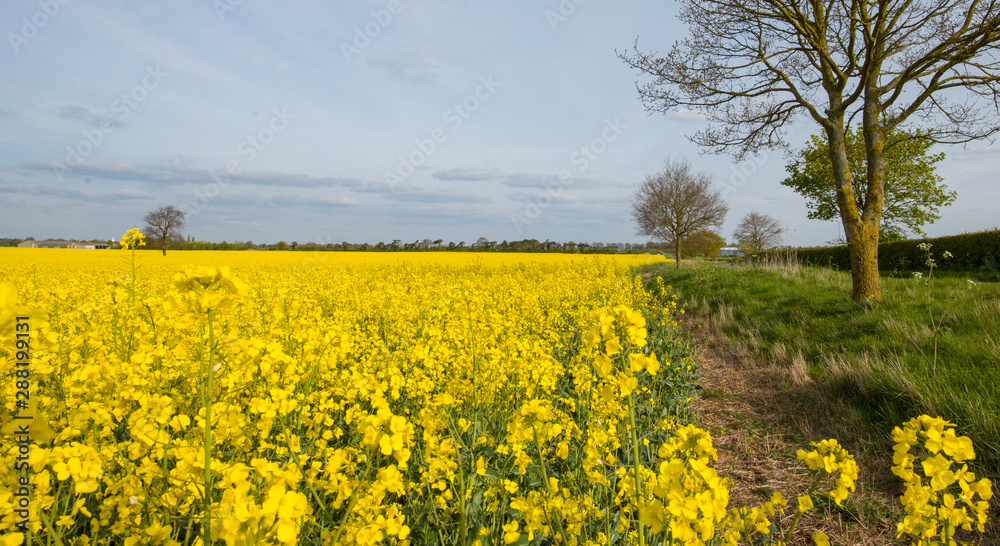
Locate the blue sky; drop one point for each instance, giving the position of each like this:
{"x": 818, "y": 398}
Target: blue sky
{"x": 364, "y": 121}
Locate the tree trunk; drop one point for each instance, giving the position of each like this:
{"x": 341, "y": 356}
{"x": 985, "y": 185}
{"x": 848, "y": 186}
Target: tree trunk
{"x": 677, "y": 253}
{"x": 164, "y": 249}
{"x": 866, "y": 285}
{"x": 867, "y": 282}
{"x": 860, "y": 230}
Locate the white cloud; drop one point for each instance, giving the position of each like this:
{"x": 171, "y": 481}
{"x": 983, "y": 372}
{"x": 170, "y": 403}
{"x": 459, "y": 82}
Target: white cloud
{"x": 688, "y": 115}
{"x": 469, "y": 175}
{"x": 405, "y": 65}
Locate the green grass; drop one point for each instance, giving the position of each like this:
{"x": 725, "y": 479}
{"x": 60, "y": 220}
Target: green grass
{"x": 931, "y": 346}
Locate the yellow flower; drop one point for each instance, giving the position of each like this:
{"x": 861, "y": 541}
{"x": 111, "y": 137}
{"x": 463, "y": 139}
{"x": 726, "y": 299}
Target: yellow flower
{"x": 8, "y": 309}
{"x": 929, "y": 503}
{"x": 16, "y": 539}
{"x": 821, "y": 539}
{"x": 510, "y": 533}
{"x": 391, "y": 479}
{"x": 612, "y": 346}
{"x": 938, "y": 469}
{"x": 133, "y": 239}
{"x": 805, "y": 503}
{"x": 157, "y": 532}
{"x": 653, "y": 515}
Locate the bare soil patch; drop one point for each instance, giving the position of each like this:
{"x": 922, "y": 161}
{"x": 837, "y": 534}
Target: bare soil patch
{"x": 759, "y": 419}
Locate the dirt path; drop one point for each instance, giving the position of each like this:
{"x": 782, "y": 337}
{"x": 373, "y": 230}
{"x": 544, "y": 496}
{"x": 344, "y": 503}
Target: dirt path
{"x": 758, "y": 421}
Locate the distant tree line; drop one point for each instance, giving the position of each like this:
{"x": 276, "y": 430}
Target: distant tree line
{"x": 429, "y": 245}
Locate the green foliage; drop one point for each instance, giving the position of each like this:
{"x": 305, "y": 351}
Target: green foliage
{"x": 913, "y": 192}
{"x": 872, "y": 366}
{"x": 702, "y": 243}
{"x": 978, "y": 251}
{"x": 889, "y": 234}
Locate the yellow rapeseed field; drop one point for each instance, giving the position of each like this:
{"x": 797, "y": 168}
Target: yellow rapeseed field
{"x": 362, "y": 398}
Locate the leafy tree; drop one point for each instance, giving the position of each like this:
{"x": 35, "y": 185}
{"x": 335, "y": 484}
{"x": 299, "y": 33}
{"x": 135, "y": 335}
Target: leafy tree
{"x": 677, "y": 202}
{"x": 703, "y": 243}
{"x": 164, "y": 225}
{"x": 752, "y": 68}
{"x": 913, "y": 192}
{"x": 757, "y": 231}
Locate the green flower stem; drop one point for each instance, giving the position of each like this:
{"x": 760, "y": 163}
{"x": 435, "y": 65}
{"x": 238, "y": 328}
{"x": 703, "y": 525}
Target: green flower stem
{"x": 52, "y": 532}
{"x": 636, "y": 466}
{"x": 206, "y": 402}
{"x": 433, "y": 510}
{"x": 354, "y": 496}
{"x": 790, "y": 530}
{"x": 545, "y": 485}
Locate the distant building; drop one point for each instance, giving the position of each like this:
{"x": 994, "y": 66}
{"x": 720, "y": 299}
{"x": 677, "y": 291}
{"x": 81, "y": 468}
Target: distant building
{"x": 730, "y": 251}
{"x": 60, "y": 243}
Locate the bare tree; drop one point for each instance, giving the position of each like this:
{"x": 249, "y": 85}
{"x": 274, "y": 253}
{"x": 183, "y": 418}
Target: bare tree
{"x": 677, "y": 202}
{"x": 164, "y": 225}
{"x": 752, "y": 67}
{"x": 757, "y": 231}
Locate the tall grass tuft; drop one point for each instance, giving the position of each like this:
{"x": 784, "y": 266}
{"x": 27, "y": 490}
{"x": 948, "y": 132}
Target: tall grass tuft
{"x": 931, "y": 346}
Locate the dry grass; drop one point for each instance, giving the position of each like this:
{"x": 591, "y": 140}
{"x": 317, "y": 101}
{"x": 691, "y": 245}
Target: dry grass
{"x": 789, "y": 357}
{"x": 757, "y": 415}
{"x": 761, "y": 412}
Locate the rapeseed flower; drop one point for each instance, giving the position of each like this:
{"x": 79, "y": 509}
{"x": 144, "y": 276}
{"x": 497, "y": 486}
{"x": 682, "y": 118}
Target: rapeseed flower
{"x": 132, "y": 239}
{"x": 486, "y": 393}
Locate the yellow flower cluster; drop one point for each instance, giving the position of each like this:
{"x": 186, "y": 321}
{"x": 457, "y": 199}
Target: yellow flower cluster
{"x": 132, "y": 239}
{"x": 829, "y": 458}
{"x": 754, "y": 523}
{"x": 73, "y": 460}
{"x": 688, "y": 496}
{"x": 337, "y": 398}
{"x": 371, "y": 399}
{"x": 943, "y": 497}
{"x": 199, "y": 289}
{"x": 257, "y": 506}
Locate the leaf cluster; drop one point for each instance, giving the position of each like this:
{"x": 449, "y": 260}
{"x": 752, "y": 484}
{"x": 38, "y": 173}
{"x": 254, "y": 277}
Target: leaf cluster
{"x": 913, "y": 190}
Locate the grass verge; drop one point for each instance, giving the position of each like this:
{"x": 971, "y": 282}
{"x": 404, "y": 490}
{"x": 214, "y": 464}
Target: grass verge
{"x": 931, "y": 346}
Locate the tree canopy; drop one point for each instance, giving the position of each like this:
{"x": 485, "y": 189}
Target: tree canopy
{"x": 164, "y": 225}
{"x": 677, "y": 202}
{"x": 913, "y": 191}
{"x": 755, "y": 67}
{"x": 757, "y": 231}
{"x": 703, "y": 242}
